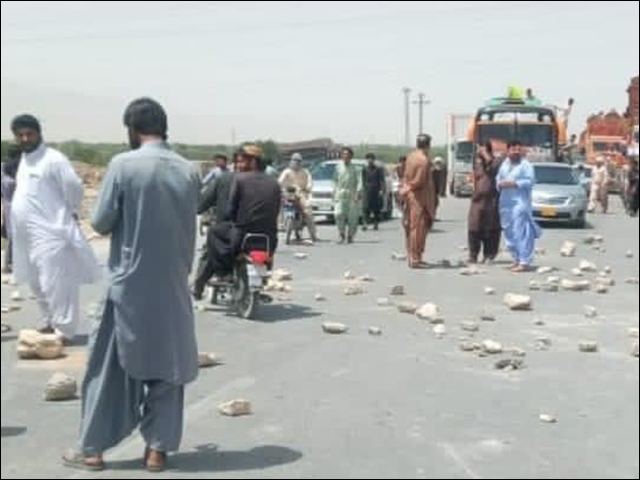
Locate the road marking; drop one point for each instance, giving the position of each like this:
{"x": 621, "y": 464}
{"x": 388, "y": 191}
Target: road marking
{"x": 453, "y": 453}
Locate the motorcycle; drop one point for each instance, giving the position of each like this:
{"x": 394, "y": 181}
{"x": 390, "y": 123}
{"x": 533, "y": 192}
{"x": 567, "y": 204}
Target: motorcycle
{"x": 243, "y": 291}
{"x": 293, "y": 215}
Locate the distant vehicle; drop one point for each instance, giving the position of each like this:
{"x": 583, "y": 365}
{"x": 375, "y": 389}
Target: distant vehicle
{"x": 322, "y": 203}
{"x": 585, "y": 175}
{"x": 462, "y": 170}
{"x": 558, "y": 196}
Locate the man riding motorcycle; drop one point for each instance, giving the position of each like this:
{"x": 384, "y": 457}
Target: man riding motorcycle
{"x": 298, "y": 178}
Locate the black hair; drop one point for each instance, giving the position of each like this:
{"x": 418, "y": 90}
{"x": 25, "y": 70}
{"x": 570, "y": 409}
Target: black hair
{"x": 25, "y": 121}
{"x": 489, "y": 146}
{"x": 371, "y": 156}
{"x": 147, "y": 117}
{"x": 349, "y": 150}
{"x": 514, "y": 143}
{"x": 424, "y": 141}
{"x": 402, "y": 159}
{"x": 221, "y": 157}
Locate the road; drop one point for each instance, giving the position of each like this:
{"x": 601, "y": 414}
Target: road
{"x": 402, "y": 405}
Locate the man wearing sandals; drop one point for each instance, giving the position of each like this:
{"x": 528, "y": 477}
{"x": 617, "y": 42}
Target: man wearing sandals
{"x": 144, "y": 352}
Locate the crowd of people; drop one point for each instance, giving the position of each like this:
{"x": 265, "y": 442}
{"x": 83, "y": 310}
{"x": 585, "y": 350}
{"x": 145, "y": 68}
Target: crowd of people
{"x": 145, "y": 350}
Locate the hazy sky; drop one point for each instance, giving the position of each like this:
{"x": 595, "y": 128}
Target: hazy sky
{"x": 296, "y": 70}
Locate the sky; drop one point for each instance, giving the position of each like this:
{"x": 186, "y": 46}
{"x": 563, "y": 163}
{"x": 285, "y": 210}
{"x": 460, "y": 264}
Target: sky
{"x": 234, "y": 71}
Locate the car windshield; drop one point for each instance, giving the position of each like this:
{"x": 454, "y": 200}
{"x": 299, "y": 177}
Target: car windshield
{"x": 555, "y": 176}
{"x": 464, "y": 152}
{"x": 324, "y": 172}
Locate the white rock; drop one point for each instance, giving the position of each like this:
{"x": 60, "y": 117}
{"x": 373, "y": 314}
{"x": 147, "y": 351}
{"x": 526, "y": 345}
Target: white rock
{"x": 354, "y": 289}
{"x": 349, "y": 276}
{"x": 608, "y": 270}
{"x": 534, "y": 286}
{"x": 518, "y": 352}
{"x": 589, "y": 240}
{"x": 576, "y": 286}
{"x": 375, "y": 331}
{"x": 384, "y": 302}
{"x": 608, "y": 281}
{"x": 34, "y": 345}
{"x": 491, "y": 347}
{"x": 601, "y": 288}
{"x": 587, "y": 266}
{"x": 543, "y": 344}
{"x": 538, "y": 322}
{"x": 632, "y": 281}
{"x": 588, "y": 347}
{"x": 568, "y": 249}
{"x": 17, "y": 297}
{"x": 301, "y": 256}
{"x": 282, "y": 275}
{"x": 576, "y": 272}
{"x": 634, "y": 349}
{"x": 236, "y": 408}
{"x": 439, "y": 330}
{"x": 634, "y": 332}
{"x": 320, "y": 297}
{"x": 468, "y": 346}
{"x": 470, "y": 327}
{"x": 6, "y": 310}
{"x": 401, "y": 257}
{"x": 209, "y": 360}
{"x": 546, "y": 418}
{"x": 629, "y": 254}
{"x": 517, "y": 302}
{"x": 488, "y": 315}
{"x": 6, "y": 328}
{"x": 333, "y": 328}
{"x": 397, "y": 291}
{"x": 6, "y": 279}
{"x": 546, "y": 270}
{"x": 554, "y": 279}
{"x": 489, "y": 291}
{"x": 430, "y": 312}
{"x": 407, "y": 307}
{"x": 61, "y": 388}
{"x": 471, "y": 271}
{"x": 550, "y": 287}
{"x": 590, "y": 311}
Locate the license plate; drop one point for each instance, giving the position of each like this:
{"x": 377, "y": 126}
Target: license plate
{"x": 256, "y": 275}
{"x": 549, "y": 212}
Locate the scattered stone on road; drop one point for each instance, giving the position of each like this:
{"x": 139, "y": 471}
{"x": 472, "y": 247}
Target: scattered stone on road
{"x": 587, "y": 266}
{"x": 489, "y": 291}
{"x": 209, "y": 360}
{"x": 634, "y": 332}
{"x": 538, "y": 322}
{"x": 517, "y": 302}
{"x": 471, "y": 271}
{"x": 440, "y": 331}
{"x": 375, "y": 331}
{"x": 235, "y": 408}
{"x": 546, "y": 270}
{"x": 634, "y": 349}
{"x": 576, "y": 272}
{"x": 354, "y": 289}
{"x": 431, "y": 313}
{"x": 6, "y": 328}
{"x": 546, "y": 418}
{"x": 534, "y": 286}
{"x": 468, "y": 346}
{"x": 509, "y": 364}
{"x": 568, "y": 249}
{"x": 488, "y": 315}
{"x": 576, "y": 285}
{"x": 472, "y": 327}
{"x": 590, "y": 311}
{"x": 33, "y": 345}
{"x": 320, "y": 297}
{"x": 333, "y": 328}
{"x": 601, "y": 288}
{"x": 348, "y": 276}
{"x": 61, "y": 388}
{"x": 517, "y": 352}
{"x": 543, "y": 344}
{"x": 632, "y": 281}
{"x": 366, "y": 279}
{"x": 400, "y": 257}
{"x": 397, "y": 291}
{"x": 491, "y": 347}
{"x": 17, "y": 297}
{"x": 301, "y": 256}
{"x": 408, "y": 307}
{"x": 587, "y": 346}
{"x": 384, "y": 302}
{"x": 282, "y": 275}
{"x": 629, "y": 254}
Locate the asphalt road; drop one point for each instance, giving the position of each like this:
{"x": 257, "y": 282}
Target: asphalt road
{"x": 402, "y": 405}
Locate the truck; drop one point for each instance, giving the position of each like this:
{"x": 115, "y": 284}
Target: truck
{"x": 460, "y": 155}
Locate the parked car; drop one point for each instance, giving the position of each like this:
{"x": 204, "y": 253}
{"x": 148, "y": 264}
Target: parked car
{"x": 322, "y": 202}
{"x": 558, "y": 196}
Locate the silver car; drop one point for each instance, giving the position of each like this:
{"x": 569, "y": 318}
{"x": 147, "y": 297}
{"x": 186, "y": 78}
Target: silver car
{"x": 559, "y": 196}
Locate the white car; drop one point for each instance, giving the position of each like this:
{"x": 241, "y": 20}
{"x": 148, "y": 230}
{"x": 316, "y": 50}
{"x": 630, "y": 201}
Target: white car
{"x": 322, "y": 202}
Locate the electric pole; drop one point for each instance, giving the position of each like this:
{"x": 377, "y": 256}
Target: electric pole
{"x": 422, "y": 102}
{"x": 407, "y": 115}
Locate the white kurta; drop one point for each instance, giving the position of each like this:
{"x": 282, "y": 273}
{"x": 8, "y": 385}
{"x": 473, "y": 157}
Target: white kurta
{"x": 51, "y": 254}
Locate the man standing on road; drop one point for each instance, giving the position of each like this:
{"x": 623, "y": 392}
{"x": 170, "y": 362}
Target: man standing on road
{"x": 144, "y": 351}
{"x": 374, "y": 187}
{"x": 8, "y": 180}
{"x": 347, "y": 197}
{"x": 439, "y": 175}
{"x": 516, "y": 179}
{"x": 51, "y": 254}
{"x": 484, "y": 214}
{"x": 300, "y": 179}
{"x": 419, "y": 198}
{"x": 600, "y": 186}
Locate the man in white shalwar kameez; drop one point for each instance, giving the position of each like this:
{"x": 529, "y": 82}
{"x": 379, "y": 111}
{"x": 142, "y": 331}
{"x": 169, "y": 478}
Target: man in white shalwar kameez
{"x": 51, "y": 255}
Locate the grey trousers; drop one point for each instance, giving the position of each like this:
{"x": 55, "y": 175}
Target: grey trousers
{"x": 114, "y": 405}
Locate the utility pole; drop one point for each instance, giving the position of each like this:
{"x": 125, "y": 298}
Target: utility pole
{"x": 407, "y": 115}
{"x": 422, "y": 102}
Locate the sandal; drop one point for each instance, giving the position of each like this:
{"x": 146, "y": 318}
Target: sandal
{"x": 79, "y": 461}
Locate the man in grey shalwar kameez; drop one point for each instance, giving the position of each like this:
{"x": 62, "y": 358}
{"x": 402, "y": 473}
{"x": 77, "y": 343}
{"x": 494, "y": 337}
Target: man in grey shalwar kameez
{"x": 144, "y": 352}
